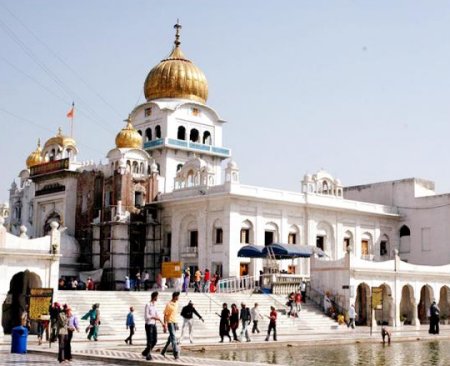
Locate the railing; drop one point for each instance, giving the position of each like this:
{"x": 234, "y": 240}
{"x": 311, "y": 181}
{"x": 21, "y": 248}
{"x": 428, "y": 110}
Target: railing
{"x": 189, "y": 251}
{"x": 187, "y": 145}
{"x": 237, "y": 284}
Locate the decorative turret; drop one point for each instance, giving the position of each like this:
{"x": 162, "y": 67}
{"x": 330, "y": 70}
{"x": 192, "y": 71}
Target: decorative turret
{"x": 35, "y": 158}
{"x": 129, "y": 137}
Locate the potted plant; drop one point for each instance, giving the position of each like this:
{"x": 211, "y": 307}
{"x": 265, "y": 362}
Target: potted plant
{"x": 444, "y": 318}
{"x": 402, "y": 319}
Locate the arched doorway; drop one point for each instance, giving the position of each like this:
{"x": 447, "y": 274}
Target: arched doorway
{"x": 16, "y": 302}
{"x": 408, "y": 310}
{"x": 426, "y": 298}
{"x": 444, "y": 300}
{"x": 385, "y": 315}
{"x": 362, "y": 304}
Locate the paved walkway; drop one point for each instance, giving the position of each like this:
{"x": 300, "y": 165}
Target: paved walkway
{"x": 116, "y": 352}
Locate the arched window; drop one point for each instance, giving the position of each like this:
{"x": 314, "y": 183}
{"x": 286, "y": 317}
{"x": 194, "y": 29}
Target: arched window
{"x": 128, "y": 166}
{"x": 158, "y": 167}
{"x": 140, "y": 132}
{"x": 141, "y": 168}
{"x": 246, "y": 232}
{"x": 148, "y": 134}
{"x": 207, "y": 138}
{"x": 135, "y": 167}
{"x": 404, "y": 231}
{"x": 405, "y": 239}
{"x": 325, "y": 188}
{"x": 193, "y": 136}
{"x": 181, "y": 135}
{"x": 52, "y": 155}
{"x": 158, "y": 132}
{"x": 293, "y": 237}
{"x": 179, "y": 166}
{"x": 190, "y": 178}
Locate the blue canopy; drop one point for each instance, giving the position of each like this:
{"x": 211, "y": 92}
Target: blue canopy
{"x": 251, "y": 251}
{"x": 280, "y": 251}
{"x": 289, "y": 251}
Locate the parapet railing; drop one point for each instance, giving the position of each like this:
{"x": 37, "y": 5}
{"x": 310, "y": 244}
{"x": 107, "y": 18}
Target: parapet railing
{"x": 237, "y": 284}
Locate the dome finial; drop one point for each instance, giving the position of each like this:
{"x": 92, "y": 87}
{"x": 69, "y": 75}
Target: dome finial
{"x": 177, "y": 33}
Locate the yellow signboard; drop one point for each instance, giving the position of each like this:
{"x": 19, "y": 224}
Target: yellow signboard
{"x": 40, "y": 301}
{"x": 377, "y": 297}
{"x": 171, "y": 269}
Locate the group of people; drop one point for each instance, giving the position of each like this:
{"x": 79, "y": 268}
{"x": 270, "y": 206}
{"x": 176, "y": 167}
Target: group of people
{"x": 63, "y": 323}
{"x": 230, "y": 319}
{"x": 203, "y": 282}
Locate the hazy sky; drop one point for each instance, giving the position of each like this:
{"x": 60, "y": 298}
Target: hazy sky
{"x": 358, "y": 88}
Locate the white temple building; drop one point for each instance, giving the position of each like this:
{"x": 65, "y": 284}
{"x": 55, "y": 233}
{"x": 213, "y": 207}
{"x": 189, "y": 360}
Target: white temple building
{"x": 171, "y": 191}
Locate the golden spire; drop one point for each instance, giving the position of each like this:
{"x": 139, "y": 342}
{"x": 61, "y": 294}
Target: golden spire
{"x": 176, "y": 77}
{"x": 129, "y": 137}
{"x": 35, "y": 158}
{"x": 177, "y": 27}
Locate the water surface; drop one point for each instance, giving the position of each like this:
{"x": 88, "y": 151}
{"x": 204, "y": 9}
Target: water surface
{"x": 429, "y": 353}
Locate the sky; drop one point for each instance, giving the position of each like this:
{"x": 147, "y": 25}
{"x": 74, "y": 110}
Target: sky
{"x": 358, "y": 88}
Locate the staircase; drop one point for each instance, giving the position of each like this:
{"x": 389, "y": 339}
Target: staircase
{"x": 114, "y": 307}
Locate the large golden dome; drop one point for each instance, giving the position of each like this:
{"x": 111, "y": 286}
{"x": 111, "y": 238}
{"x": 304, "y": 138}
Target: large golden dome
{"x": 128, "y": 137}
{"x": 176, "y": 77}
{"x": 60, "y": 140}
{"x": 35, "y": 158}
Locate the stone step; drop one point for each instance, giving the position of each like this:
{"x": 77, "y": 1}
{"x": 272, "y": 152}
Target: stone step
{"x": 114, "y": 308}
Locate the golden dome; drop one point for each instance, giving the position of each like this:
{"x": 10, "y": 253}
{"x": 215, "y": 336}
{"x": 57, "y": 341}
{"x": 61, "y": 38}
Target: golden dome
{"x": 176, "y": 77}
{"x": 128, "y": 137}
{"x": 60, "y": 140}
{"x": 35, "y": 158}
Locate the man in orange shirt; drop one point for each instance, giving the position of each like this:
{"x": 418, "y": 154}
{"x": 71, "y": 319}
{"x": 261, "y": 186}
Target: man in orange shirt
{"x": 170, "y": 320}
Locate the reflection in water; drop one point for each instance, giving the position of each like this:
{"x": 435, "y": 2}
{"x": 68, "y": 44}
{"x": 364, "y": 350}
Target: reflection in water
{"x": 435, "y": 353}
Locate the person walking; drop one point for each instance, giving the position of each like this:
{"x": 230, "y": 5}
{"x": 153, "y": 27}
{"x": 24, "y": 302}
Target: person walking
{"x": 151, "y": 316}
{"x": 206, "y": 280}
{"x": 127, "y": 283}
{"x": 234, "y": 321}
{"x": 170, "y": 320}
{"x": 62, "y": 324}
{"x": 146, "y": 280}
{"x": 224, "y": 325}
{"x": 298, "y": 303}
{"x": 186, "y": 281}
{"x": 73, "y": 325}
{"x": 351, "y": 317}
{"x": 434, "y": 318}
{"x": 187, "y": 313}
{"x": 137, "y": 284}
{"x": 245, "y": 319}
{"x": 256, "y": 315}
{"x": 303, "y": 291}
{"x": 197, "y": 279}
{"x": 272, "y": 324}
{"x": 94, "y": 321}
{"x": 130, "y": 325}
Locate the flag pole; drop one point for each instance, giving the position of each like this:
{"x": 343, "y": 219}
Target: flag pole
{"x": 71, "y": 120}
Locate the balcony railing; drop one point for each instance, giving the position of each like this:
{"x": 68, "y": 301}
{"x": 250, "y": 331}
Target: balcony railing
{"x": 188, "y": 145}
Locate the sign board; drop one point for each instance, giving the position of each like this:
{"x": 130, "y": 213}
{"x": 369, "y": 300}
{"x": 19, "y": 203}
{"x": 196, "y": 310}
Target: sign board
{"x": 377, "y": 298}
{"x": 40, "y": 302}
{"x": 171, "y": 270}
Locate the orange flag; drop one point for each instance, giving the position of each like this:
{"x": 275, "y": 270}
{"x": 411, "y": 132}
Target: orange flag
{"x": 71, "y": 112}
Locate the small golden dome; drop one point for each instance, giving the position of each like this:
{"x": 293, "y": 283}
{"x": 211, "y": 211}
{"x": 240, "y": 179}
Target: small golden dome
{"x": 128, "y": 137}
{"x": 35, "y": 158}
{"x": 176, "y": 77}
{"x": 60, "y": 140}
